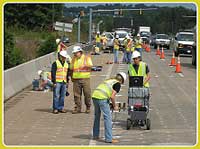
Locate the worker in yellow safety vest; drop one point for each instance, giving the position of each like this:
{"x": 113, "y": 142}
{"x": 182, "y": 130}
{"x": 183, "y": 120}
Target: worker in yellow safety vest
{"x": 116, "y": 49}
{"x": 80, "y": 73}
{"x": 139, "y": 68}
{"x": 60, "y": 79}
{"x": 138, "y": 44}
{"x": 98, "y": 39}
{"x": 129, "y": 49}
{"x": 104, "y": 41}
{"x": 61, "y": 46}
{"x": 102, "y": 96}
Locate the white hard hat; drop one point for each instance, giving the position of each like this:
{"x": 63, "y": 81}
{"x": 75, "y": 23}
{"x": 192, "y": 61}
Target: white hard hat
{"x": 138, "y": 35}
{"x": 103, "y": 34}
{"x": 123, "y": 75}
{"x": 77, "y": 49}
{"x": 39, "y": 72}
{"x": 127, "y": 36}
{"x": 63, "y": 53}
{"x": 98, "y": 32}
{"x": 135, "y": 54}
{"x": 117, "y": 36}
{"x": 57, "y": 41}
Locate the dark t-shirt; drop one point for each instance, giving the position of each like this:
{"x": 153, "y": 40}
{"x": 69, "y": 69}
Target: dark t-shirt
{"x": 117, "y": 87}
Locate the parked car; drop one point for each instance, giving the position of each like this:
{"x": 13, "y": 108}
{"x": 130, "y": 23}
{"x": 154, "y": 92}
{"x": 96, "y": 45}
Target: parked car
{"x": 183, "y": 43}
{"x": 194, "y": 48}
{"x": 161, "y": 40}
{"x": 145, "y": 36}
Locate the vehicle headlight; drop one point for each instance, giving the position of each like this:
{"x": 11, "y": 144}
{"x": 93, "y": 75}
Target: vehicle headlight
{"x": 180, "y": 45}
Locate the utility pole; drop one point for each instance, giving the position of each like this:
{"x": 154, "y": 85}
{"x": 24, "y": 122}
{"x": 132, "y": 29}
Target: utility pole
{"x": 90, "y": 26}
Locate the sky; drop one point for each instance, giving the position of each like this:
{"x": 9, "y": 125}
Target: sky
{"x": 186, "y": 5}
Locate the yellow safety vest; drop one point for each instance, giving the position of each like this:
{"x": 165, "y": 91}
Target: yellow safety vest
{"x": 104, "y": 90}
{"x": 116, "y": 44}
{"x": 61, "y": 46}
{"x": 138, "y": 43}
{"x": 61, "y": 71}
{"x": 98, "y": 38}
{"x": 81, "y": 67}
{"x": 129, "y": 46}
{"x": 141, "y": 71}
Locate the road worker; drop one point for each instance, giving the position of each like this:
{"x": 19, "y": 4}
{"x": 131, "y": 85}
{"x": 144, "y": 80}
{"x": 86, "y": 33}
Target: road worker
{"x": 102, "y": 96}
{"x": 45, "y": 80}
{"x": 138, "y": 44}
{"x": 116, "y": 49}
{"x": 60, "y": 79}
{"x": 104, "y": 41}
{"x": 61, "y": 46}
{"x": 139, "y": 68}
{"x": 98, "y": 39}
{"x": 129, "y": 46}
{"x": 80, "y": 74}
{"x": 124, "y": 60}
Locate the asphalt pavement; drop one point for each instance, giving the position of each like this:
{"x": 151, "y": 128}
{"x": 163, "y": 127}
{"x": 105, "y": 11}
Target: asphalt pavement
{"x": 28, "y": 118}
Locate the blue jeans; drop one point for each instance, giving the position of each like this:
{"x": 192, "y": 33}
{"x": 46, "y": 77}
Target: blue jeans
{"x": 102, "y": 106}
{"x": 116, "y": 53}
{"x": 59, "y": 96}
{"x": 128, "y": 55}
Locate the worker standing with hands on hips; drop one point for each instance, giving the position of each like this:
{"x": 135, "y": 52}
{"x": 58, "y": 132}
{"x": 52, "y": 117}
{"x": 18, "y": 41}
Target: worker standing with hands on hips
{"x": 139, "y": 68}
{"x": 80, "y": 73}
{"x": 59, "y": 75}
{"x": 101, "y": 96}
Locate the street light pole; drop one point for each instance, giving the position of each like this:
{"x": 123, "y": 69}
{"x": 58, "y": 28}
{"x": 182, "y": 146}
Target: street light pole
{"x": 99, "y": 24}
{"x": 90, "y": 26}
{"x": 79, "y": 26}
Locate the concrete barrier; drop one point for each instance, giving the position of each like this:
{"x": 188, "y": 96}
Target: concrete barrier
{"x": 20, "y": 77}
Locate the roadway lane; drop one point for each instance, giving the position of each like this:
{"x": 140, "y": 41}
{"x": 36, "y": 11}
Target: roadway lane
{"x": 28, "y": 119}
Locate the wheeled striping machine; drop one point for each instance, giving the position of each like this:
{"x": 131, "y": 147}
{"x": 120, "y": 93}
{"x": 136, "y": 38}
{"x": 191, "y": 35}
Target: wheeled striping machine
{"x": 138, "y": 107}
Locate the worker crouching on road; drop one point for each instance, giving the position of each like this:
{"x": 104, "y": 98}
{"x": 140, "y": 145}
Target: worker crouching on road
{"x": 59, "y": 74}
{"x": 45, "y": 80}
{"x": 101, "y": 96}
{"x": 80, "y": 74}
{"x": 139, "y": 68}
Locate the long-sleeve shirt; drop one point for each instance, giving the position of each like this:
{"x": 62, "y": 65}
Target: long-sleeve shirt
{"x": 53, "y": 72}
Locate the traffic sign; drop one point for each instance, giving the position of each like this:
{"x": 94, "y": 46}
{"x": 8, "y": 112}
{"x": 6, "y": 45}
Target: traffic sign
{"x": 66, "y": 27}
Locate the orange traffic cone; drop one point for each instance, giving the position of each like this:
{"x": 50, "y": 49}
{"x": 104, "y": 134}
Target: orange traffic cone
{"x": 162, "y": 56}
{"x": 158, "y": 51}
{"x": 173, "y": 60}
{"x": 178, "y": 66}
{"x": 148, "y": 48}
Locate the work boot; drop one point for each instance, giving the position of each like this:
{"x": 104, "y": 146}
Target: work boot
{"x": 75, "y": 111}
{"x": 55, "y": 111}
{"x": 87, "y": 110}
{"x": 113, "y": 141}
{"x": 63, "y": 111}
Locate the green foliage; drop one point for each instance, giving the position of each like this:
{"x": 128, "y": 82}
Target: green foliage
{"x": 12, "y": 55}
{"x": 47, "y": 46}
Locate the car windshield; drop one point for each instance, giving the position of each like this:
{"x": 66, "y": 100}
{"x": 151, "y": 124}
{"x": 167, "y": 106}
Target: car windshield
{"x": 162, "y": 37}
{"x": 144, "y": 34}
{"x": 185, "y": 37}
{"x": 109, "y": 36}
{"x": 122, "y": 35}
